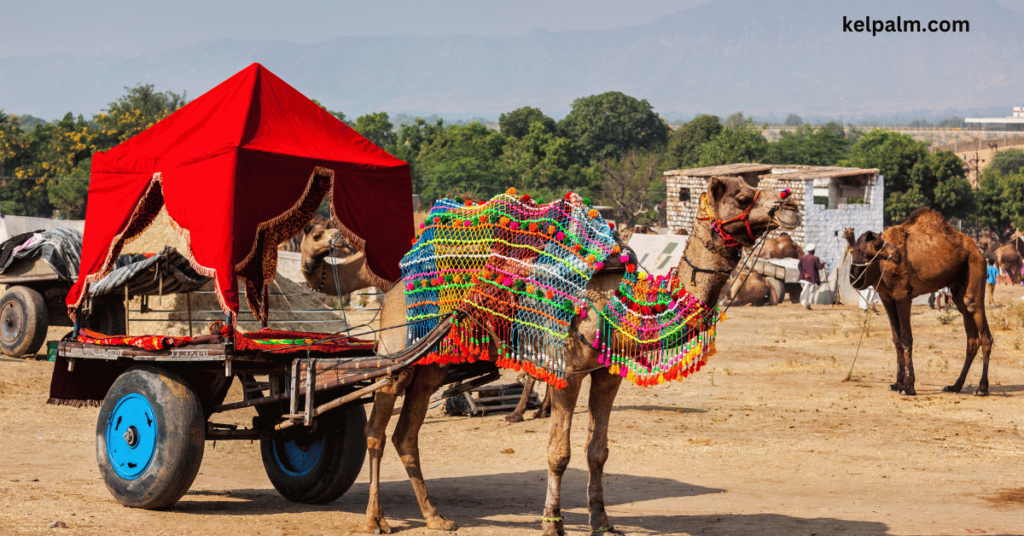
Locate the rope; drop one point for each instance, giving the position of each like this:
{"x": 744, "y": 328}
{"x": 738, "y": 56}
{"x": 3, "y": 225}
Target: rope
{"x": 864, "y": 326}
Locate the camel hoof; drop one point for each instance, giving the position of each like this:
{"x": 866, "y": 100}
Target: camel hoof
{"x": 514, "y": 417}
{"x": 951, "y": 389}
{"x": 378, "y": 526}
{"x": 894, "y": 387}
{"x": 909, "y": 392}
{"x": 541, "y": 414}
{"x": 552, "y": 530}
{"x": 981, "y": 392}
{"x": 440, "y": 523}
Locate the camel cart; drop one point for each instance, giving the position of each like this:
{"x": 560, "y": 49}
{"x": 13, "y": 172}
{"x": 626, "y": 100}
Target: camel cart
{"x": 238, "y": 176}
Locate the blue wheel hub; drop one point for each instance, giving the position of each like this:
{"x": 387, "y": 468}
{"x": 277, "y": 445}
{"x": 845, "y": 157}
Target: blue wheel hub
{"x": 296, "y": 457}
{"x": 131, "y": 436}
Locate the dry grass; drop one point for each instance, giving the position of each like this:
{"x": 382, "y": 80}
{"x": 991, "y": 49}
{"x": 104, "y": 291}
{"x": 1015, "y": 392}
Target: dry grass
{"x": 1009, "y": 318}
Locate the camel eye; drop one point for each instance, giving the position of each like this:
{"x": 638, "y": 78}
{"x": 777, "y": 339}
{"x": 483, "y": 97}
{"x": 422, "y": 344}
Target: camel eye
{"x": 317, "y": 236}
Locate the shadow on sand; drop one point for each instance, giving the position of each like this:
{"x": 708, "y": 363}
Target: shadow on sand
{"x": 522, "y": 494}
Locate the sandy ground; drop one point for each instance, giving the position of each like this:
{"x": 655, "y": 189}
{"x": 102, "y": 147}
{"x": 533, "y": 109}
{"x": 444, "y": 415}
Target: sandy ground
{"x": 768, "y": 439}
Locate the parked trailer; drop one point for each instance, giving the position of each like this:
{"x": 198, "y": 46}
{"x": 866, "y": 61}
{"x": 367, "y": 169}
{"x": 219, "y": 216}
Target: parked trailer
{"x": 159, "y": 408}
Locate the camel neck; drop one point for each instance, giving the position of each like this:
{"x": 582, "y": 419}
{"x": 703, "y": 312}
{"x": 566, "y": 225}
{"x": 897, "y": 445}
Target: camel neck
{"x": 705, "y": 250}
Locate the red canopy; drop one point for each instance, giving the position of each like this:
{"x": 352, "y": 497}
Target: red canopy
{"x": 241, "y": 169}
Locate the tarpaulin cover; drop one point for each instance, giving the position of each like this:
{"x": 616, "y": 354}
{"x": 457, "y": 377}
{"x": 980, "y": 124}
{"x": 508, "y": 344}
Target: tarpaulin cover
{"x": 241, "y": 169}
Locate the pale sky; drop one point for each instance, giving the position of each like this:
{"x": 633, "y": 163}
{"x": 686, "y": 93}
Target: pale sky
{"x": 134, "y": 27}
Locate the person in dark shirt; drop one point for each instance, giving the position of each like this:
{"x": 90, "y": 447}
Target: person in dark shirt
{"x": 809, "y": 280}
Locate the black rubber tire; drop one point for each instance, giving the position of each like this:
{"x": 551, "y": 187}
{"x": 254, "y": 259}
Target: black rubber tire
{"x": 107, "y": 317}
{"x": 23, "y": 321}
{"x": 180, "y": 438}
{"x": 343, "y": 431}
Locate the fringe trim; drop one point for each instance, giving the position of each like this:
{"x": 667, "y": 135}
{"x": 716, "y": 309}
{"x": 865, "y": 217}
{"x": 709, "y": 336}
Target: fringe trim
{"x": 74, "y": 402}
{"x": 120, "y": 240}
{"x": 208, "y": 272}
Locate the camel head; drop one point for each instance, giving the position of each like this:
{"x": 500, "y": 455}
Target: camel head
{"x": 867, "y": 254}
{"x": 320, "y": 236}
{"x": 746, "y": 212}
{"x": 848, "y": 234}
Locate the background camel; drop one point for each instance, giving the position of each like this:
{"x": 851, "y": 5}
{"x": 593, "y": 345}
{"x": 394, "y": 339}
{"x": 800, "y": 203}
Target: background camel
{"x": 1008, "y": 257}
{"x": 333, "y": 279}
{"x": 780, "y": 247}
{"x": 753, "y": 289}
{"x": 728, "y": 197}
{"x": 920, "y": 256}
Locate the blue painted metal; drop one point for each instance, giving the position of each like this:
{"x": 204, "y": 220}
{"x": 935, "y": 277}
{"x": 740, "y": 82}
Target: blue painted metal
{"x": 298, "y": 459}
{"x": 131, "y": 436}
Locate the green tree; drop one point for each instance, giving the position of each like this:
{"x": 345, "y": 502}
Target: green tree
{"x": 743, "y": 143}
{"x": 378, "y": 129}
{"x": 138, "y": 109}
{"x": 611, "y": 124}
{"x": 938, "y": 180}
{"x": 736, "y": 120}
{"x": 999, "y": 210}
{"x": 459, "y": 160}
{"x": 1008, "y": 162}
{"x": 793, "y": 120}
{"x": 684, "y": 145}
{"x": 809, "y": 146}
{"x": 544, "y": 165}
{"x": 516, "y": 123}
{"x": 69, "y": 195}
{"x": 340, "y": 115}
{"x": 1013, "y": 200}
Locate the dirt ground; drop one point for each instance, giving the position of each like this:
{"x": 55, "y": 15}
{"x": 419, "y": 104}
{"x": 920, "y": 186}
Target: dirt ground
{"x": 767, "y": 439}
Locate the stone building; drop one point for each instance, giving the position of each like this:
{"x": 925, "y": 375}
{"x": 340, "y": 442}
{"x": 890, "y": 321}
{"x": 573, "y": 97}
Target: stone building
{"x": 829, "y": 198}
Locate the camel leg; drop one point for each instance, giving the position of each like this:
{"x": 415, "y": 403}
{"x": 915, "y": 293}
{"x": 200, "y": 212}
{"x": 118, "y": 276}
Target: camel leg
{"x": 376, "y": 435}
{"x": 603, "y": 388}
{"x": 907, "y": 343}
{"x": 974, "y": 318}
{"x": 894, "y": 325}
{"x": 545, "y": 407}
{"x": 426, "y": 380}
{"x": 563, "y": 404}
{"x": 517, "y": 414}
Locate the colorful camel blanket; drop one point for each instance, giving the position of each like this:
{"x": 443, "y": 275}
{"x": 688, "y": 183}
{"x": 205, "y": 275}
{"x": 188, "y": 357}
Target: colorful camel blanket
{"x": 518, "y": 269}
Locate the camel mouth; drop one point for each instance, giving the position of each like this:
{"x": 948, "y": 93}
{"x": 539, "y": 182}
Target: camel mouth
{"x": 787, "y": 217}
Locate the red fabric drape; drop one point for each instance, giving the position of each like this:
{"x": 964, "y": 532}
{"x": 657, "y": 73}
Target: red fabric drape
{"x": 237, "y": 169}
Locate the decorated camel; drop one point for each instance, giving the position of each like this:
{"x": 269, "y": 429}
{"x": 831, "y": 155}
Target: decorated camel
{"x": 1008, "y": 257}
{"x": 920, "y": 256}
{"x": 333, "y": 279}
{"x": 593, "y": 343}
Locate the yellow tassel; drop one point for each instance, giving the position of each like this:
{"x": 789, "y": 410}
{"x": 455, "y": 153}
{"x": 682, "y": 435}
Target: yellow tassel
{"x": 661, "y": 379}
{"x": 614, "y": 370}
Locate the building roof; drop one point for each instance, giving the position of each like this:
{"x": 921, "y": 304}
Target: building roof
{"x": 778, "y": 171}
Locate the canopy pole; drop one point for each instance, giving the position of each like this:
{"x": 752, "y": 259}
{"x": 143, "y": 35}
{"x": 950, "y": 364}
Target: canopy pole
{"x": 188, "y": 307}
{"x": 127, "y": 302}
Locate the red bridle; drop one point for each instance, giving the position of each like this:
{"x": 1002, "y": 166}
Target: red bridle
{"x": 717, "y": 224}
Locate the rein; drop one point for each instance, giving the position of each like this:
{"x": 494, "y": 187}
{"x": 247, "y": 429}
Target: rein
{"x": 866, "y": 264}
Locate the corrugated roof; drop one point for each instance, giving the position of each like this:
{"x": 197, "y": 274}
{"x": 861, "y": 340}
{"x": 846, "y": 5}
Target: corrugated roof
{"x": 776, "y": 171}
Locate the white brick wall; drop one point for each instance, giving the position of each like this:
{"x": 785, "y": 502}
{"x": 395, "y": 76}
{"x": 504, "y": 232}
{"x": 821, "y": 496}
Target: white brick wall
{"x": 821, "y": 225}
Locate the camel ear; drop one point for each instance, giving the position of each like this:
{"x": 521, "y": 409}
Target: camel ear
{"x": 717, "y": 188}
{"x": 309, "y": 227}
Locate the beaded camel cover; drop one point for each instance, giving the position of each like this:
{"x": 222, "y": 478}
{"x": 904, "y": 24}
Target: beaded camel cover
{"x": 518, "y": 269}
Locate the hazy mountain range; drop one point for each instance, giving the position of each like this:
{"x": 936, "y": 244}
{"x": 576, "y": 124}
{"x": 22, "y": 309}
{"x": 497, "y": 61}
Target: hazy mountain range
{"x": 719, "y": 57}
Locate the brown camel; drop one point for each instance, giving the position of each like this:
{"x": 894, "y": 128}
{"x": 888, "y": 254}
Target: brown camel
{"x": 780, "y": 247}
{"x": 333, "y": 279}
{"x": 545, "y": 407}
{"x": 920, "y": 256}
{"x": 728, "y": 197}
{"x": 753, "y": 289}
{"x": 1007, "y": 258}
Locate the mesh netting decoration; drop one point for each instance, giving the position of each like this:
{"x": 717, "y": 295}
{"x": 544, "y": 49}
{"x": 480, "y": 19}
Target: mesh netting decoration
{"x": 515, "y": 267}
{"x": 653, "y": 331}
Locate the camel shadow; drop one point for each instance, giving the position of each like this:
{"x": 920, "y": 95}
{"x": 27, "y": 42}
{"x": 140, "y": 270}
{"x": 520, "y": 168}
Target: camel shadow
{"x": 522, "y": 495}
{"x": 668, "y": 409}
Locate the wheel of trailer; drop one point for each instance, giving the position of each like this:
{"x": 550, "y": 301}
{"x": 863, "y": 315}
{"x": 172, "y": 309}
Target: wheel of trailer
{"x": 107, "y": 317}
{"x": 317, "y": 466}
{"x": 150, "y": 437}
{"x": 23, "y": 321}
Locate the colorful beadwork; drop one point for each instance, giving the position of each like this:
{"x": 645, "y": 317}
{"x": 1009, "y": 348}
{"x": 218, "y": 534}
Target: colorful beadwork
{"x": 515, "y": 267}
{"x": 653, "y": 331}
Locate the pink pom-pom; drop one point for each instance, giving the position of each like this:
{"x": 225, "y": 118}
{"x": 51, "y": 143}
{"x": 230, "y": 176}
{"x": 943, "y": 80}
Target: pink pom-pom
{"x": 785, "y": 193}
{"x": 514, "y": 225}
{"x": 423, "y": 226}
{"x": 410, "y": 286}
{"x": 560, "y": 236}
{"x": 467, "y": 223}
{"x": 672, "y": 304}
{"x": 598, "y": 265}
{"x": 624, "y": 258}
{"x": 507, "y": 282}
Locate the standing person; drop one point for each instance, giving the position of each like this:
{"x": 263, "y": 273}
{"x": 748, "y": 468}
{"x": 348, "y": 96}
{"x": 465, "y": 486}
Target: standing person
{"x": 809, "y": 280}
{"x": 993, "y": 273}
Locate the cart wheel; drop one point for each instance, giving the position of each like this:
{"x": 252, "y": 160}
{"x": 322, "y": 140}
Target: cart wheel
{"x": 150, "y": 437}
{"x": 318, "y": 466}
{"x": 23, "y": 321}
